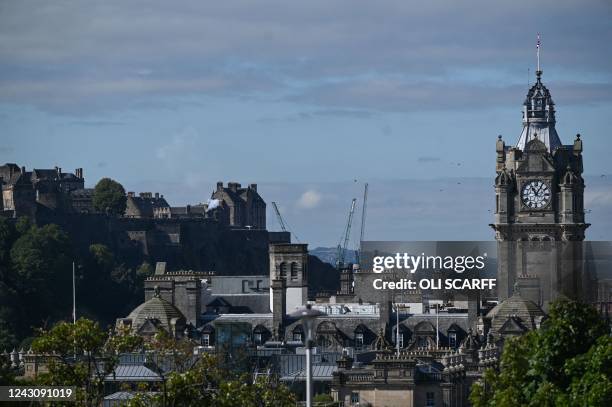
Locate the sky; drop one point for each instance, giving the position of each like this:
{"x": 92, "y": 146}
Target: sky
{"x": 307, "y": 99}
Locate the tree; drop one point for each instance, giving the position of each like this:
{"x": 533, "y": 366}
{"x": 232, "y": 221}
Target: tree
{"x": 41, "y": 272}
{"x": 81, "y": 355}
{"x": 324, "y": 400}
{"x": 207, "y": 382}
{"x": 8, "y": 317}
{"x": 566, "y": 362}
{"x": 6, "y": 241}
{"x": 109, "y": 197}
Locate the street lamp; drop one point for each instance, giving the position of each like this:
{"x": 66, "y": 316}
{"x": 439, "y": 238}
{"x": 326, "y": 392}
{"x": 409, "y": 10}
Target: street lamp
{"x": 308, "y": 316}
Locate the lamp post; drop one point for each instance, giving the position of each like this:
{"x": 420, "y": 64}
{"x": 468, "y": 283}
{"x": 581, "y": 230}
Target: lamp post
{"x": 308, "y": 316}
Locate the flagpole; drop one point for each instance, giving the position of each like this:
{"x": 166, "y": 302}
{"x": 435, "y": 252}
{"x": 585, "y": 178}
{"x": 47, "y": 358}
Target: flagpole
{"x": 437, "y": 326}
{"x": 73, "y": 296}
{"x": 538, "y": 51}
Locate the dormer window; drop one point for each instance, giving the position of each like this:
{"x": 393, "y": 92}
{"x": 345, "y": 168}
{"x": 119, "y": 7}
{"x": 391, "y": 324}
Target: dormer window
{"x": 452, "y": 339}
{"x": 359, "y": 340}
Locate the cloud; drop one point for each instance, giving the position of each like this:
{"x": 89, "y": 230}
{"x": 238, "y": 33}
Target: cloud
{"x": 309, "y": 200}
{"x": 400, "y": 94}
{"x": 180, "y": 145}
{"x": 67, "y": 57}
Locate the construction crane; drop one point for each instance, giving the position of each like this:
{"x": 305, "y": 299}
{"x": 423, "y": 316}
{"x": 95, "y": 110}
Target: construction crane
{"x": 279, "y": 217}
{"x": 364, "y": 207}
{"x": 283, "y": 224}
{"x": 345, "y": 239}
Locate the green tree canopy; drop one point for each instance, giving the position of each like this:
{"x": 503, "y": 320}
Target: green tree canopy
{"x": 568, "y": 362}
{"x": 95, "y": 352}
{"x": 109, "y": 197}
{"x": 41, "y": 273}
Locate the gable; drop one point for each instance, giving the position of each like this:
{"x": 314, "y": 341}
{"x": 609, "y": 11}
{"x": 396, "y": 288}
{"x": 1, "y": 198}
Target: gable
{"x": 513, "y": 325}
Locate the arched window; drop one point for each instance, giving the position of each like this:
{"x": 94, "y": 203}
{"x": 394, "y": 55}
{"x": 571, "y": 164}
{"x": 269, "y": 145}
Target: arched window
{"x": 298, "y": 334}
{"x": 294, "y": 271}
{"x": 283, "y": 270}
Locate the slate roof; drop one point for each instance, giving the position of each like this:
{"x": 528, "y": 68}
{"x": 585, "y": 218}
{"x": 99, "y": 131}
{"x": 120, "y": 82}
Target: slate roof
{"x": 133, "y": 373}
{"x": 321, "y": 373}
{"x": 44, "y": 174}
{"x": 243, "y": 303}
{"x": 293, "y": 367}
{"x": 82, "y": 193}
{"x": 517, "y": 307}
{"x": 540, "y": 119}
{"x": 155, "y": 308}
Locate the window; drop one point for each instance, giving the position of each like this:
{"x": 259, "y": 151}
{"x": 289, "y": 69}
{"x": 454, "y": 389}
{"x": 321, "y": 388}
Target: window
{"x": 297, "y": 336}
{"x": 294, "y": 271}
{"x": 452, "y": 339}
{"x": 401, "y": 340}
{"x": 359, "y": 340}
{"x": 258, "y": 338}
{"x": 354, "y": 397}
{"x": 246, "y": 286}
{"x": 422, "y": 342}
{"x": 430, "y": 399}
{"x": 206, "y": 340}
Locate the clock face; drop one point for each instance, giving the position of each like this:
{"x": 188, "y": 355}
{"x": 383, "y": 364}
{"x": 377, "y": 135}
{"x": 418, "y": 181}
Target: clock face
{"x": 535, "y": 194}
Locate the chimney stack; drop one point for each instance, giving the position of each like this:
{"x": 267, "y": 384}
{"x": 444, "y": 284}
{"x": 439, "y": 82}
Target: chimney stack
{"x": 253, "y": 187}
{"x": 79, "y": 173}
{"x": 219, "y": 186}
{"x": 157, "y": 195}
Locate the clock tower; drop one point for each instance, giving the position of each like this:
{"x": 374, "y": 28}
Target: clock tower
{"x": 539, "y": 213}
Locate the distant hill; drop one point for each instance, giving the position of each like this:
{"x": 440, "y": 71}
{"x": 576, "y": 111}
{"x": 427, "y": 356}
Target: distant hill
{"x": 329, "y": 254}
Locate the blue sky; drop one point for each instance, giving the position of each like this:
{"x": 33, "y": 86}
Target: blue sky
{"x": 304, "y": 99}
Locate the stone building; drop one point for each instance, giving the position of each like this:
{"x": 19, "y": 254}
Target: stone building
{"x": 82, "y": 200}
{"x": 240, "y": 207}
{"x": 153, "y": 315}
{"x": 24, "y": 193}
{"x": 514, "y": 316}
{"x": 424, "y": 377}
{"x": 144, "y": 205}
{"x": 539, "y": 210}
